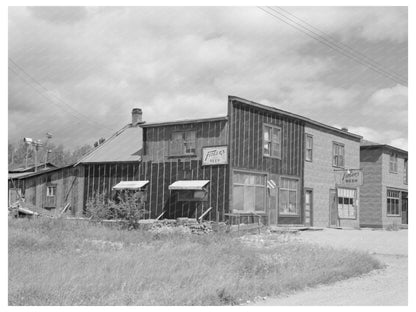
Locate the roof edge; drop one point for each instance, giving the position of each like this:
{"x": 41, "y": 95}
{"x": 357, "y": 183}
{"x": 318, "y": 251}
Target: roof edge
{"x": 175, "y": 122}
{"x": 295, "y": 116}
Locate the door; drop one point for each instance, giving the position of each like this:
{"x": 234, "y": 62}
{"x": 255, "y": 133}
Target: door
{"x": 50, "y": 201}
{"x": 308, "y": 207}
{"x": 333, "y": 209}
{"x": 405, "y": 215}
{"x": 273, "y": 206}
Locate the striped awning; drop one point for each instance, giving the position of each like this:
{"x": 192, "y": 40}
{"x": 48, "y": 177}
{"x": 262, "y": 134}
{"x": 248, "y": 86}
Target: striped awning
{"x": 188, "y": 185}
{"x": 130, "y": 185}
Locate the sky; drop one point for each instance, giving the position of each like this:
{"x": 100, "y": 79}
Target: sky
{"x": 77, "y": 72}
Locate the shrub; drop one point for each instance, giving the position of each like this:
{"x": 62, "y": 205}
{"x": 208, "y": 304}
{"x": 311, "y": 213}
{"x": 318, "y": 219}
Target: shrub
{"x": 128, "y": 208}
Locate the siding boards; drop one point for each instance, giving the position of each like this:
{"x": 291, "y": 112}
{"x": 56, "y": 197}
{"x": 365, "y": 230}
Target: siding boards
{"x": 247, "y": 138}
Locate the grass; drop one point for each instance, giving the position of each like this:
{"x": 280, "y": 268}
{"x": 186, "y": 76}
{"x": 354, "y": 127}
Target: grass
{"x": 57, "y": 262}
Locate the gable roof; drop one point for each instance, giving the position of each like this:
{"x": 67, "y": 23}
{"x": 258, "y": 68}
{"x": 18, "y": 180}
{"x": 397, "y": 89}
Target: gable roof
{"x": 123, "y": 146}
{"x": 24, "y": 175}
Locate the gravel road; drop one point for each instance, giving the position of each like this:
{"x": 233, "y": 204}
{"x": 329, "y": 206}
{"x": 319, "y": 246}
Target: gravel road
{"x": 383, "y": 287}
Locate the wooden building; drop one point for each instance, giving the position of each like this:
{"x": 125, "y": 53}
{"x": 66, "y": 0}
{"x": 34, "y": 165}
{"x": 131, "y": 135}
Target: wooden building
{"x": 251, "y": 161}
{"x": 384, "y": 194}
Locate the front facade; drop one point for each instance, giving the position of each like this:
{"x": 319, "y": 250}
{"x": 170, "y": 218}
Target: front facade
{"x": 384, "y": 196}
{"x": 262, "y": 171}
{"x": 328, "y": 154}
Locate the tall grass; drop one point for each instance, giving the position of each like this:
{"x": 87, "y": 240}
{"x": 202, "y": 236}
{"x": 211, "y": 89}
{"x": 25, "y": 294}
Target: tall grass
{"x": 57, "y": 262}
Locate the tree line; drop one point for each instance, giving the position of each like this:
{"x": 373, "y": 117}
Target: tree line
{"x": 21, "y": 154}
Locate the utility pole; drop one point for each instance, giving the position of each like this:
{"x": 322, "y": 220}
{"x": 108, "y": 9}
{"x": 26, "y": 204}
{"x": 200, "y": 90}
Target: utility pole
{"x": 48, "y": 136}
{"x": 36, "y": 144}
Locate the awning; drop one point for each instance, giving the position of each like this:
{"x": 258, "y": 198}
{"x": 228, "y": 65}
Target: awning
{"x": 188, "y": 185}
{"x": 130, "y": 185}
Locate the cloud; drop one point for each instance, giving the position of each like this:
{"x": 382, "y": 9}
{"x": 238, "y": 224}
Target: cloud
{"x": 178, "y": 63}
{"x": 395, "y": 96}
{"x": 59, "y": 15}
{"x": 386, "y": 136}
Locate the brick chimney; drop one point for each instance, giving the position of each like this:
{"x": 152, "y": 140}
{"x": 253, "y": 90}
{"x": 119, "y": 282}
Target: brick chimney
{"x": 344, "y": 129}
{"x": 136, "y": 116}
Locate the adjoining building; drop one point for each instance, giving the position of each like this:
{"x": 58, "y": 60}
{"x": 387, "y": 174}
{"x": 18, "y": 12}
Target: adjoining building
{"x": 252, "y": 161}
{"x": 116, "y": 159}
{"x": 384, "y": 194}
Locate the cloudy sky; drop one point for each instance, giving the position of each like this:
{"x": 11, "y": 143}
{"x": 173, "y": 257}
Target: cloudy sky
{"x": 77, "y": 72}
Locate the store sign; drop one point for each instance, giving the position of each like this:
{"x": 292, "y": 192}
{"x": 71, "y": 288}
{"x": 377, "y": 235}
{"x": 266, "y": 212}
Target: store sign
{"x": 217, "y": 155}
{"x": 351, "y": 178}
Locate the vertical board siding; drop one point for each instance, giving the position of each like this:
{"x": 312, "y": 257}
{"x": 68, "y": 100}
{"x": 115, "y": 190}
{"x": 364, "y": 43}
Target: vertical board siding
{"x": 247, "y": 137}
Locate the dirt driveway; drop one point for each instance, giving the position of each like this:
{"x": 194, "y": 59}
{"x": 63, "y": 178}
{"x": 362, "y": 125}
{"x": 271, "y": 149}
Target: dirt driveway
{"x": 382, "y": 287}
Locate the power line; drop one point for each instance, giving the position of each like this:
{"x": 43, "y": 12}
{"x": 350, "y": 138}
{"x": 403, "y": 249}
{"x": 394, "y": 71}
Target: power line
{"x": 70, "y": 109}
{"x": 347, "y": 47}
{"x": 333, "y": 46}
{"x": 73, "y": 130}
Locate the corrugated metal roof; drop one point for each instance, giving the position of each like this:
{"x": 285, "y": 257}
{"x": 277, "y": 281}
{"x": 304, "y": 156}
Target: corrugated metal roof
{"x": 130, "y": 185}
{"x": 125, "y": 145}
{"x": 183, "y": 121}
{"x": 188, "y": 185}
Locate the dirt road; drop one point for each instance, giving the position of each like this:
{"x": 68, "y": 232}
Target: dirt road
{"x": 382, "y": 287}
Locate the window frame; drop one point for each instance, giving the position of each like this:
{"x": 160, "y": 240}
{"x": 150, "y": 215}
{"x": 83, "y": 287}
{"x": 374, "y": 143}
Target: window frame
{"x": 393, "y": 163}
{"x": 183, "y": 143}
{"x": 353, "y": 204}
{"x": 308, "y": 136}
{"x": 270, "y": 141}
{"x": 336, "y": 164}
{"x": 298, "y": 191}
{"x": 51, "y": 187}
{"x": 405, "y": 172}
{"x": 389, "y": 214}
{"x": 255, "y": 186}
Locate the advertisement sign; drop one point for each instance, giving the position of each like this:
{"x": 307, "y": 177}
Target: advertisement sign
{"x": 349, "y": 178}
{"x": 217, "y": 155}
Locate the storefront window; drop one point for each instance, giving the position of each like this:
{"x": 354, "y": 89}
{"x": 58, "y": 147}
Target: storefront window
{"x": 393, "y": 199}
{"x": 288, "y": 197}
{"x": 249, "y": 191}
{"x": 347, "y": 208}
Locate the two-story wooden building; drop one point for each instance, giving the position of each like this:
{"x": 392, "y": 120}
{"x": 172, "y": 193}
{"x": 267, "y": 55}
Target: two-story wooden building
{"x": 384, "y": 194}
{"x": 250, "y": 161}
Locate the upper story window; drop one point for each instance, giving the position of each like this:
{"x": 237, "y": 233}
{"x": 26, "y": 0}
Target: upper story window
{"x": 308, "y": 147}
{"x": 183, "y": 143}
{"x": 51, "y": 191}
{"x": 393, "y": 163}
{"x": 272, "y": 141}
{"x": 338, "y": 154}
{"x": 405, "y": 172}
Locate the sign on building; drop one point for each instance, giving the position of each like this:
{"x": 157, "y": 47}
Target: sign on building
{"x": 217, "y": 155}
{"x": 349, "y": 178}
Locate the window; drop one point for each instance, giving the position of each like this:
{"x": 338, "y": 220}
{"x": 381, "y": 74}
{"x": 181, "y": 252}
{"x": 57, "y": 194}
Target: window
{"x": 393, "y": 198}
{"x": 288, "y": 197}
{"x": 405, "y": 172}
{"x": 183, "y": 143}
{"x": 347, "y": 208}
{"x": 249, "y": 192}
{"x": 338, "y": 155}
{"x": 272, "y": 141}
{"x": 50, "y": 191}
{"x": 393, "y": 163}
{"x": 308, "y": 147}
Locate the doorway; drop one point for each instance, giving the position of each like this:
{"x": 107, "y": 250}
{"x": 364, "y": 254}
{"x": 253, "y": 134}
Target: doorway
{"x": 333, "y": 209}
{"x": 308, "y": 207}
{"x": 405, "y": 212}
